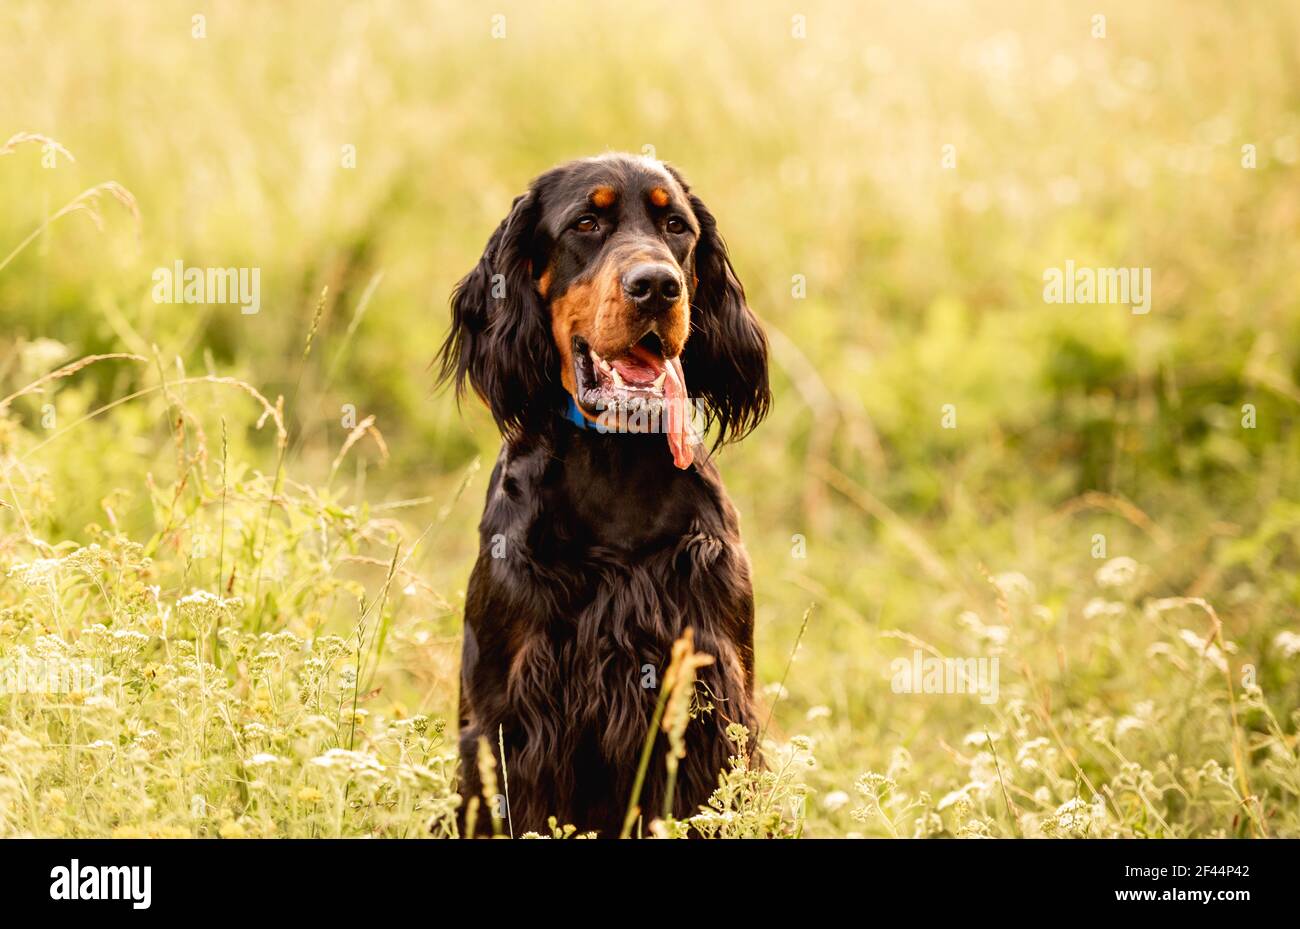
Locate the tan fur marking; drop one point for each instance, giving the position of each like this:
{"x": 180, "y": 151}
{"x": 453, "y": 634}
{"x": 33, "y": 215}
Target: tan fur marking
{"x": 659, "y": 196}
{"x": 602, "y": 197}
{"x": 592, "y": 309}
{"x": 597, "y": 310}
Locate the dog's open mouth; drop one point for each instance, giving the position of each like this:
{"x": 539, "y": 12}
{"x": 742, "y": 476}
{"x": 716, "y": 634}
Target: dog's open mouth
{"x": 638, "y": 390}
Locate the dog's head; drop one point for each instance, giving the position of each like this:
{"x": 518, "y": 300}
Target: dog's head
{"x": 609, "y": 280}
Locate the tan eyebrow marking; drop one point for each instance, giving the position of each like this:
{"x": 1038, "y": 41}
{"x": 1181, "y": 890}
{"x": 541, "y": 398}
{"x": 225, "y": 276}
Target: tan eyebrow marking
{"x": 659, "y": 196}
{"x": 602, "y": 197}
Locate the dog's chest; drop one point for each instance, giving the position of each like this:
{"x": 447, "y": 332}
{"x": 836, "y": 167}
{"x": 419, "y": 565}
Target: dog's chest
{"x": 591, "y": 566}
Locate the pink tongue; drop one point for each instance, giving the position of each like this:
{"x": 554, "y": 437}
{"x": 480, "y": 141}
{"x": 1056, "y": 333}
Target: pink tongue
{"x": 639, "y": 366}
{"x": 674, "y": 400}
{"x": 675, "y": 397}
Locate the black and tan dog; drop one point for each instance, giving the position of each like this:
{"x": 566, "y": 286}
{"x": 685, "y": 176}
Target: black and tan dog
{"x": 606, "y": 330}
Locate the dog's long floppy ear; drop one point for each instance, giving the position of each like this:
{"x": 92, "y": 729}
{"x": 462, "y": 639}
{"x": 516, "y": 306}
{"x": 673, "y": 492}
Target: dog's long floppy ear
{"x": 500, "y": 339}
{"x": 725, "y": 360}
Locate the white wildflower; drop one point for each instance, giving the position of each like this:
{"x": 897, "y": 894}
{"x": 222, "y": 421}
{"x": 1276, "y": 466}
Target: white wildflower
{"x": 1288, "y": 643}
{"x": 1127, "y": 724}
{"x": 35, "y": 573}
{"x": 835, "y": 800}
{"x": 1099, "y": 608}
{"x": 261, "y": 759}
{"x": 954, "y": 797}
{"x": 1014, "y": 586}
{"x": 352, "y": 762}
{"x": 1118, "y": 572}
{"x": 1074, "y": 815}
{"x": 1206, "y": 648}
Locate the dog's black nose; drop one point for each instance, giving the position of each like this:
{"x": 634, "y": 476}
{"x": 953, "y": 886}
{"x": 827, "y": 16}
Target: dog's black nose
{"x": 652, "y": 288}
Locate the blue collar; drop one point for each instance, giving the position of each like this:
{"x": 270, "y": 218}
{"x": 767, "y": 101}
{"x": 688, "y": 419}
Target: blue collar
{"x": 574, "y": 415}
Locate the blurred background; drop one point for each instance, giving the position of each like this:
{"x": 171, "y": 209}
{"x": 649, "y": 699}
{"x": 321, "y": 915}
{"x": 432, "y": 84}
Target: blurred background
{"x": 893, "y": 180}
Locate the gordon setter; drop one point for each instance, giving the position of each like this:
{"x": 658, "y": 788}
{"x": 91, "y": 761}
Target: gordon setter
{"x": 607, "y": 332}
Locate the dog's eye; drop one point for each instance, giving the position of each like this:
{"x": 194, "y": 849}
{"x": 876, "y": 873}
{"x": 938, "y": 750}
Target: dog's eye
{"x": 586, "y": 223}
{"x": 676, "y": 225}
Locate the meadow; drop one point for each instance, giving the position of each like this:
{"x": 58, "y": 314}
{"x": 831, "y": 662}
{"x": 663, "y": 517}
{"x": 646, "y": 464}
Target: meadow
{"x": 244, "y": 537}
